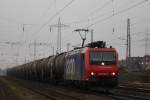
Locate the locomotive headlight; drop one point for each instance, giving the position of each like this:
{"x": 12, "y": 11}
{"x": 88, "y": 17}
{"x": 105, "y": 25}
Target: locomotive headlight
{"x": 113, "y": 73}
{"x": 92, "y": 73}
{"x": 102, "y": 63}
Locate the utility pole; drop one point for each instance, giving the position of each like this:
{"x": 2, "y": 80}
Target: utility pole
{"x": 128, "y": 48}
{"x": 129, "y": 38}
{"x": 25, "y": 60}
{"x": 59, "y": 26}
{"x": 68, "y": 45}
{"x": 92, "y": 35}
{"x": 146, "y": 43}
{"x": 52, "y": 49}
{"x": 58, "y": 37}
{"x": 35, "y": 44}
{"x": 82, "y": 37}
{"x": 34, "y": 49}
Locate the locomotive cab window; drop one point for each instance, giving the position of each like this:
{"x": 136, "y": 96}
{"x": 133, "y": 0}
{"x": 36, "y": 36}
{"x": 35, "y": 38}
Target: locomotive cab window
{"x": 99, "y": 57}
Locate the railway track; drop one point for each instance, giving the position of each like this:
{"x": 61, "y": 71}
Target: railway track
{"x": 137, "y": 89}
{"x": 133, "y": 92}
{"x": 2, "y": 93}
{"x": 121, "y": 95}
{"x": 136, "y": 84}
{"x": 53, "y": 95}
{"x": 50, "y": 93}
{"x": 54, "y": 92}
{"x": 6, "y": 93}
{"x": 118, "y": 94}
{"x": 125, "y": 93}
{"x": 58, "y": 92}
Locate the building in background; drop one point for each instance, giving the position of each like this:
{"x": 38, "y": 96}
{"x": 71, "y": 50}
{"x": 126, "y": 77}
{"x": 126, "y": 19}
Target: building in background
{"x": 136, "y": 63}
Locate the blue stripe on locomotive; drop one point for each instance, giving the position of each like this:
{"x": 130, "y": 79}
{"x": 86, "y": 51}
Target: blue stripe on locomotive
{"x": 74, "y": 66}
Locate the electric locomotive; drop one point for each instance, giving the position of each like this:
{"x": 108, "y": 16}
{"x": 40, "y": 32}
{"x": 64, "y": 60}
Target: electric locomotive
{"x": 93, "y": 65}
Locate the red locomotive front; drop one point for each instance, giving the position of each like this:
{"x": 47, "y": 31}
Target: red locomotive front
{"x": 101, "y": 66}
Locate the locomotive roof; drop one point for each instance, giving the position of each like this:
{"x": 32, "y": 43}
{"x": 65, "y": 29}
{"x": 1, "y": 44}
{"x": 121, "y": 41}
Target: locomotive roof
{"x": 76, "y": 51}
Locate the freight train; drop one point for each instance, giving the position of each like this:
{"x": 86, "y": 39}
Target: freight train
{"x": 92, "y": 65}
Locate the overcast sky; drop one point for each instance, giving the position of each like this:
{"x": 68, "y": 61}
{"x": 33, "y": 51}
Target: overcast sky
{"x": 24, "y": 21}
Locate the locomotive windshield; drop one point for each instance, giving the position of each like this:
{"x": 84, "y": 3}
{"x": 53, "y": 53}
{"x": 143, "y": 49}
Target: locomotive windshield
{"x": 102, "y": 57}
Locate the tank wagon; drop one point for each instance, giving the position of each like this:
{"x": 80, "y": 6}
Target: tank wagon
{"x": 93, "y": 65}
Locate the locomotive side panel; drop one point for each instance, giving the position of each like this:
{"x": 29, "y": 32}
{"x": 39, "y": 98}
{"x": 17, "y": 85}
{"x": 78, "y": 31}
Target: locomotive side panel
{"x": 79, "y": 66}
{"x": 70, "y": 68}
{"x": 74, "y": 66}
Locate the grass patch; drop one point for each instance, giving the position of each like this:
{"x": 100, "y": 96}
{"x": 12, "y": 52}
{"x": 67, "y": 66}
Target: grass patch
{"x": 126, "y": 76}
{"x": 20, "y": 91}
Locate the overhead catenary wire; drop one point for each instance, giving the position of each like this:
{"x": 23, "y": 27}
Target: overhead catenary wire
{"x": 113, "y": 11}
{"x": 56, "y": 14}
{"x": 133, "y": 34}
{"x": 72, "y": 22}
{"x": 141, "y": 21}
{"x": 45, "y": 25}
{"x": 91, "y": 13}
{"x": 139, "y": 33}
{"x": 11, "y": 20}
{"x": 29, "y": 24}
{"x": 119, "y": 12}
{"x": 100, "y": 8}
{"x": 96, "y": 11}
{"x": 44, "y": 13}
